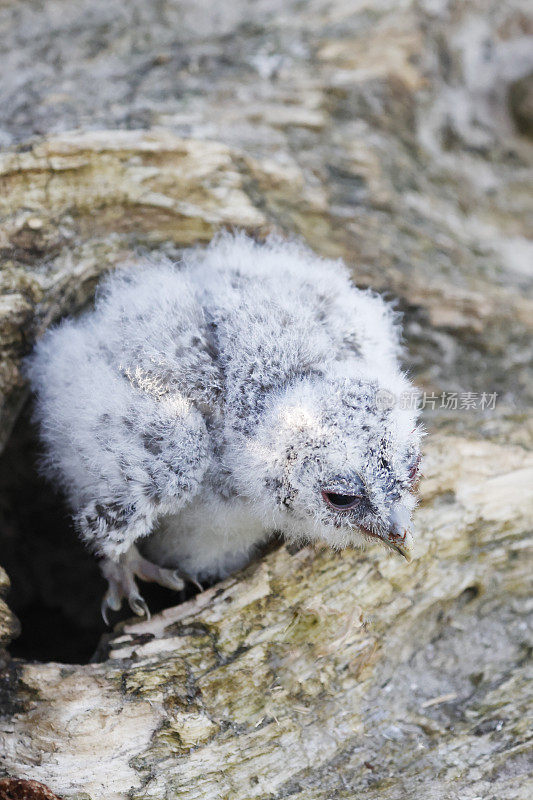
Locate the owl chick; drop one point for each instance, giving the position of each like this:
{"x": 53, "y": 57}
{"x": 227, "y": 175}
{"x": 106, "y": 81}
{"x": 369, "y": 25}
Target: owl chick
{"x": 202, "y": 406}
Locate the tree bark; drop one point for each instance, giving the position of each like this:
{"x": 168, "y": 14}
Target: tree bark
{"x": 309, "y": 674}
{"x": 315, "y": 674}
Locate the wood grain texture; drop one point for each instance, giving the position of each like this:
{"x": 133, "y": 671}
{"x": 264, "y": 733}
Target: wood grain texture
{"x": 316, "y": 673}
{"x": 380, "y": 133}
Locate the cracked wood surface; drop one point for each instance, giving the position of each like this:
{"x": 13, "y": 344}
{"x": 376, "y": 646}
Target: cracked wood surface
{"x": 317, "y": 675}
{"x": 394, "y": 136}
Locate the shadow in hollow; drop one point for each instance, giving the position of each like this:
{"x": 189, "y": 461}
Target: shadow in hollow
{"x": 56, "y": 585}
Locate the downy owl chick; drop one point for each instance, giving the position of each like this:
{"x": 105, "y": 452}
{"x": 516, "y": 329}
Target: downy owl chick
{"x": 202, "y": 406}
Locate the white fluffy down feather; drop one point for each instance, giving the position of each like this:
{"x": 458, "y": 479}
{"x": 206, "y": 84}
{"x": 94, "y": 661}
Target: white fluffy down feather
{"x": 202, "y": 406}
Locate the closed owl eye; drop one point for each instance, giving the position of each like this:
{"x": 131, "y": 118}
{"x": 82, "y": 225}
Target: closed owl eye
{"x": 344, "y": 492}
{"x": 341, "y": 502}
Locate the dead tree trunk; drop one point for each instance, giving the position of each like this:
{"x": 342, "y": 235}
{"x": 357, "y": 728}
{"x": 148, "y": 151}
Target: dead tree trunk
{"x": 314, "y": 674}
{"x": 310, "y": 674}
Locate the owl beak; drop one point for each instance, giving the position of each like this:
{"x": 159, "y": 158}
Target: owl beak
{"x": 401, "y": 541}
{"x": 398, "y": 535}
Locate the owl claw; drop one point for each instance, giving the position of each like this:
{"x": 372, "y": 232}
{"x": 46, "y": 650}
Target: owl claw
{"x": 110, "y": 601}
{"x": 104, "y": 608}
{"x": 139, "y": 606}
{"x": 121, "y": 576}
{"x": 184, "y": 576}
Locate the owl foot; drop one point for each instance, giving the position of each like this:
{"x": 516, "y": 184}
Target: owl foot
{"x": 121, "y": 575}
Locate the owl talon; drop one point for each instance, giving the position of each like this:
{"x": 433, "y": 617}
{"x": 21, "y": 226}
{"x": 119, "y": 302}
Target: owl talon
{"x": 184, "y": 576}
{"x": 110, "y": 601}
{"x": 139, "y": 606}
{"x": 121, "y": 576}
{"x": 104, "y": 609}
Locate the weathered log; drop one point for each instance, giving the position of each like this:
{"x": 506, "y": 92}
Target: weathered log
{"x": 312, "y": 674}
{"x": 74, "y": 203}
{"x": 9, "y": 625}
{"x": 383, "y": 135}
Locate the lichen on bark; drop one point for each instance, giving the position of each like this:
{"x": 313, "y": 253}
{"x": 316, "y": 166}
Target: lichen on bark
{"x": 396, "y": 137}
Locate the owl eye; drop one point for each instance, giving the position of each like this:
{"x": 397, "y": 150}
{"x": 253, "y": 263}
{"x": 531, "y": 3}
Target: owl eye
{"x": 341, "y": 502}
